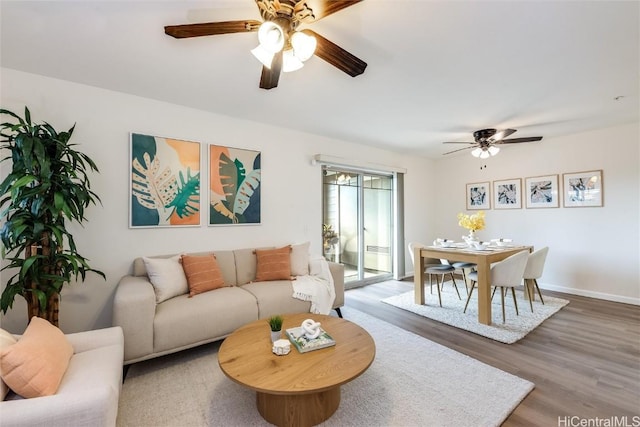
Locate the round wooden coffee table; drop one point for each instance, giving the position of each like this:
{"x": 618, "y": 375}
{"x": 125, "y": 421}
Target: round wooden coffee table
{"x": 299, "y": 389}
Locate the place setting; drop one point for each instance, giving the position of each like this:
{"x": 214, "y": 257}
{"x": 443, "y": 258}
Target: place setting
{"x": 473, "y": 245}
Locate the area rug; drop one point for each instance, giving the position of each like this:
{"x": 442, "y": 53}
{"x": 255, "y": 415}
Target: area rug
{"x": 412, "y": 382}
{"x": 513, "y": 329}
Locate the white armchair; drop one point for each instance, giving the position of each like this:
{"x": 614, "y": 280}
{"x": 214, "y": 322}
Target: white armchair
{"x": 89, "y": 392}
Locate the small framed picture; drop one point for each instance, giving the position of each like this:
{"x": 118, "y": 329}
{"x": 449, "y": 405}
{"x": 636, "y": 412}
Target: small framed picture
{"x": 583, "y": 189}
{"x": 541, "y": 192}
{"x": 478, "y": 196}
{"x": 507, "y": 194}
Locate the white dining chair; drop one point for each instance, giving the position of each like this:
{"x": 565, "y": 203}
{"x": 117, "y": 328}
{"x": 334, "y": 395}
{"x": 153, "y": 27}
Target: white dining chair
{"x": 504, "y": 274}
{"x": 533, "y": 271}
{"x": 434, "y": 270}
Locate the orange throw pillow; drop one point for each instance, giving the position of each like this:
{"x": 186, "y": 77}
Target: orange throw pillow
{"x": 35, "y": 365}
{"x": 203, "y": 273}
{"x": 273, "y": 264}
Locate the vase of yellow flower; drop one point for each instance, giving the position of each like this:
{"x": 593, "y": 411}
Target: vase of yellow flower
{"x": 472, "y": 223}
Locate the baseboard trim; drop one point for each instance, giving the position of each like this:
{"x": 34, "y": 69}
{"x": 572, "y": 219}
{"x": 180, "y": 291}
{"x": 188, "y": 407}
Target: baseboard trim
{"x": 573, "y": 291}
{"x": 590, "y": 294}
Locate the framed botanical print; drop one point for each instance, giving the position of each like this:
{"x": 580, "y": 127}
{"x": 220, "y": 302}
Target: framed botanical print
{"x": 541, "y": 192}
{"x": 235, "y": 183}
{"x": 507, "y": 194}
{"x": 583, "y": 189}
{"x": 164, "y": 179}
{"x": 478, "y": 196}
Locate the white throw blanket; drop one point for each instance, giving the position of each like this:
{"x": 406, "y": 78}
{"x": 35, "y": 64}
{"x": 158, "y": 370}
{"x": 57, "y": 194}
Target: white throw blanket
{"x": 317, "y": 287}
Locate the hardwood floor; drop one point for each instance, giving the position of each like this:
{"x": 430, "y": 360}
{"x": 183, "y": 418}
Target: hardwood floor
{"x": 584, "y": 360}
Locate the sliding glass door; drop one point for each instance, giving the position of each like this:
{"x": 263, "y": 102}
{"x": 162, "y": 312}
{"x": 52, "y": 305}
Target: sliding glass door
{"x": 358, "y": 224}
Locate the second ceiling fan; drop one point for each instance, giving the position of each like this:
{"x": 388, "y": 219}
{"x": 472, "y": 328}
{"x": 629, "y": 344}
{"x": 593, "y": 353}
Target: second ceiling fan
{"x": 486, "y": 141}
{"x": 282, "y": 46}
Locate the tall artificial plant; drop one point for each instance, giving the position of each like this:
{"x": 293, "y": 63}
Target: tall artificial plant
{"x": 48, "y": 185}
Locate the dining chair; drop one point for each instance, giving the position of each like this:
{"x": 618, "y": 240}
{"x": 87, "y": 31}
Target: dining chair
{"x": 533, "y": 271}
{"x": 434, "y": 269}
{"x": 504, "y": 274}
{"x": 462, "y": 267}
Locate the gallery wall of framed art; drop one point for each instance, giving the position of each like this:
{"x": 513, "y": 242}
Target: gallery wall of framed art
{"x": 577, "y": 189}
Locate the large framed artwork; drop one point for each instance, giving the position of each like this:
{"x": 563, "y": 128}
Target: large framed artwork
{"x": 478, "y": 196}
{"x": 542, "y": 192}
{"x": 583, "y": 189}
{"x": 234, "y": 186}
{"x": 507, "y": 194}
{"x": 164, "y": 182}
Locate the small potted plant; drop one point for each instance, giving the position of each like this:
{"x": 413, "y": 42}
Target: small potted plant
{"x": 275, "y": 323}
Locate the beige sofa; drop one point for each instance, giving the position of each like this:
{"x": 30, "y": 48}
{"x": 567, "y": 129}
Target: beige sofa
{"x": 89, "y": 392}
{"x": 152, "y": 329}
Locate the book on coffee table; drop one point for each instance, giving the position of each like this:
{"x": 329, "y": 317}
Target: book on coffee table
{"x": 304, "y": 344}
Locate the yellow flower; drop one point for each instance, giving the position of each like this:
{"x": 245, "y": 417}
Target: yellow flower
{"x": 473, "y": 222}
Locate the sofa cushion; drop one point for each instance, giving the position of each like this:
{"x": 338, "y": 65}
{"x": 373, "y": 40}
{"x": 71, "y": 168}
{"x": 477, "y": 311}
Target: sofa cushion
{"x": 275, "y": 297}
{"x": 300, "y": 259}
{"x": 246, "y": 263}
{"x": 35, "y": 365}
{"x": 6, "y": 339}
{"x": 273, "y": 264}
{"x": 203, "y": 273}
{"x": 167, "y": 277}
{"x": 183, "y": 321}
{"x": 227, "y": 263}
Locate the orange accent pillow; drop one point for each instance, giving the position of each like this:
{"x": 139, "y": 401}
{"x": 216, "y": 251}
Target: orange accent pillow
{"x": 35, "y": 365}
{"x": 273, "y": 264}
{"x": 203, "y": 273}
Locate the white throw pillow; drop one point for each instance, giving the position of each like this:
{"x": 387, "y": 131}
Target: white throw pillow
{"x": 300, "y": 259}
{"x": 6, "y": 340}
{"x": 167, "y": 277}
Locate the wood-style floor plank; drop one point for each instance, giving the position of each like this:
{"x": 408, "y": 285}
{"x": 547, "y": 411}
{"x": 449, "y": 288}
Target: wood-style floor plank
{"x": 584, "y": 360}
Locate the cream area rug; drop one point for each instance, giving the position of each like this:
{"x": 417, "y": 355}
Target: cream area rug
{"x": 412, "y": 382}
{"x": 513, "y": 329}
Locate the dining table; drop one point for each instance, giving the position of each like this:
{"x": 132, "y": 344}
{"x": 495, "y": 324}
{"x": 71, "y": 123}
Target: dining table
{"x": 483, "y": 258}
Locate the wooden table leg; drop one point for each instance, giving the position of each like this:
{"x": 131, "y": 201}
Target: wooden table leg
{"x": 484, "y": 291}
{"x": 418, "y": 276}
{"x": 299, "y": 410}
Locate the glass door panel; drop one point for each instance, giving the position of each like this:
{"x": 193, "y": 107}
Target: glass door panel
{"x": 358, "y": 224}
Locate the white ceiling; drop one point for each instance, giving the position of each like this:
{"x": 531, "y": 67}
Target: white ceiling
{"x": 437, "y": 70}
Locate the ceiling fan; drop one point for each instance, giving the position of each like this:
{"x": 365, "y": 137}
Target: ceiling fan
{"x": 282, "y": 46}
{"x": 486, "y": 141}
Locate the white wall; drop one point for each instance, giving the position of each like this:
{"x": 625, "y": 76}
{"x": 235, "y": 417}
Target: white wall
{"x": 593, "y": 251}
{"x": 291, "y": 192}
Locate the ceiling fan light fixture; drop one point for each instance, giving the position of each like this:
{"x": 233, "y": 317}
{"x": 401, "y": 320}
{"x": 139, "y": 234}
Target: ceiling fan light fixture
{"x": 485, "y": 154}
{"x": 263, "y": 56}
{"x": 476, "y": 152}
{"x": 493, "y": 150}
{"x": 271, "y": 37}
{"x": 290, "y": 62}
{"x": 303, "y": 45}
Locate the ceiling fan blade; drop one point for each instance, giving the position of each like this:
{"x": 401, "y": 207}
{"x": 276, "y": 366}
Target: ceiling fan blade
{"x": 322, "y": 8}
{"x": 502, "y": 134}
{"x": 459, "y": 149}
{"x": 270, "y": 76}
{"x": 517, "y": 140}
{"x": 211, "y": 28}
{"x": 457, "y": 142}
{"x": 337, "y": 56}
